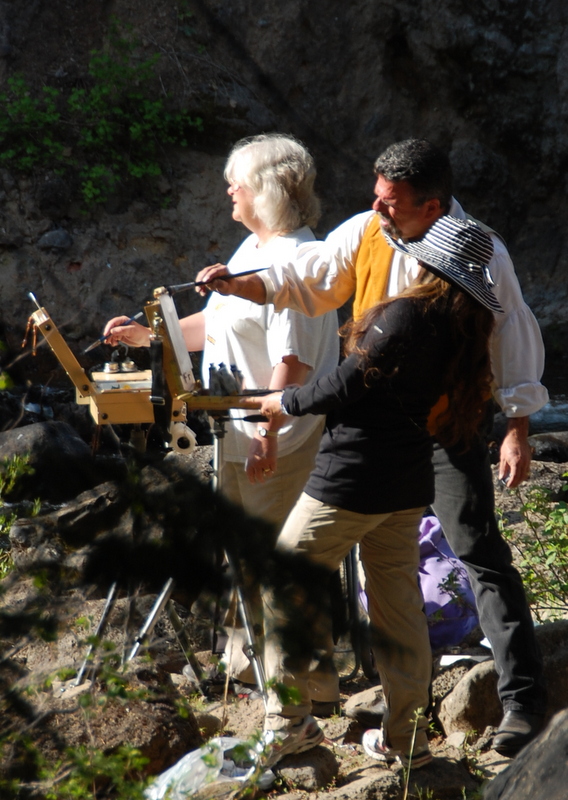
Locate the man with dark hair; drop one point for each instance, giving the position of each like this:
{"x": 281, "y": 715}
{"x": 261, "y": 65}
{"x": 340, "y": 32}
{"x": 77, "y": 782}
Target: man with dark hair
{"x": 413, "y": 190}
{"x": 425, "y": 168}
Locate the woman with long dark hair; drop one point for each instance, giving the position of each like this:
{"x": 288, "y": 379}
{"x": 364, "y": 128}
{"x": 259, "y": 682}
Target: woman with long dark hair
{"x": 373, "y": 476}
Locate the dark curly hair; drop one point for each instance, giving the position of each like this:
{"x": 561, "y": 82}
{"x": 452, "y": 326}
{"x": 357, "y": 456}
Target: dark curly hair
{"x": 422, "y": 165}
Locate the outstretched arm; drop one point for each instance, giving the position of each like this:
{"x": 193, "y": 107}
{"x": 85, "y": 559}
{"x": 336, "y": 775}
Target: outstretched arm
{"x": 136, "y": 335}
{"x": 321, "y": 277}
{"x": 249, "y": 287}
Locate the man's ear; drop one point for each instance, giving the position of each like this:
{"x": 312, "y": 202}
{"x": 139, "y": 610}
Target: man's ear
{"x": 433, "y": 210}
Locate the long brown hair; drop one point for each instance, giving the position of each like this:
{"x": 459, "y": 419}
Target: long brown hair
{"x": 467, "y": 379}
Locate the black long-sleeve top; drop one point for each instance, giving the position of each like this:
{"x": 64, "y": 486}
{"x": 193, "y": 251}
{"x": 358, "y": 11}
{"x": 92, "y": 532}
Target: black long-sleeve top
{"x": 375, "y": 454}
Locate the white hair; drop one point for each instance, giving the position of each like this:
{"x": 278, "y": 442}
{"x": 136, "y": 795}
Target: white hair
{"x": 280, "y": 173}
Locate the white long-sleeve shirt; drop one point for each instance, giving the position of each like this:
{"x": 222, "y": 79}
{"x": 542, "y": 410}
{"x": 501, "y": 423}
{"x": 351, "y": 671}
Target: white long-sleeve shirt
{"x": 322, "y": 277}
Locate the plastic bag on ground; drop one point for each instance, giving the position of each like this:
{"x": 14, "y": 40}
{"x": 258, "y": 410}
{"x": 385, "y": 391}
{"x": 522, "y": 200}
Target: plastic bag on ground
{"x": 212, "y": 763}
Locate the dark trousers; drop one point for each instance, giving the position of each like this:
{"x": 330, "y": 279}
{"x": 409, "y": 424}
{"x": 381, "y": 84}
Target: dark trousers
{"x": 464, "y": 505}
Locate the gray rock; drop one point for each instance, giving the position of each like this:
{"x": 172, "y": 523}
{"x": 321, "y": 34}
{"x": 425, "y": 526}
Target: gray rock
{"x": 540, "y": 770}
{"x": 310, "y": 771}
{"x": 373, "y": 783}
{"x": 77, "y": 522}
{"x": 11, "y": 237}
{"x": 62, "y": 462}
{"x": 58, "y": 239}
{"x": 550, "y": 446}
{"x": 444, "y": 779}
{"x": 368, "y": 697}
{"x": 474, "y": 703}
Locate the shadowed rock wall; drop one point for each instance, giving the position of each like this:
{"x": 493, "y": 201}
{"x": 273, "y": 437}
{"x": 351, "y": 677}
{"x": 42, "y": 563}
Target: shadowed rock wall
{"x": 488, "y": 81}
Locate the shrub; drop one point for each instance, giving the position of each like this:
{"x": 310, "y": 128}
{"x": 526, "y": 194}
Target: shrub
{"x": 109, "y": 133}
{"x": 542, "y": 548}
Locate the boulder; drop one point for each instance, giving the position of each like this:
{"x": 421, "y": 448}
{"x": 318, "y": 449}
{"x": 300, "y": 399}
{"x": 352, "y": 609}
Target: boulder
{"x": 540, "y": 769}
{"x": 474, "y": 703}
{"x": 550, "y": 446}
{"x": 44, "y": 538}
{"x": 58, "y": 239}
{"x": 62, "y": 463}
{"x": 310, "y": 771}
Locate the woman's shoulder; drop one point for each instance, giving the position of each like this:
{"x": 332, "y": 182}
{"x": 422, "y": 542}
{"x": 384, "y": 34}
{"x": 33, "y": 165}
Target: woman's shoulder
{"x": 295, "y": 238}
{"x": 407, "y": 317}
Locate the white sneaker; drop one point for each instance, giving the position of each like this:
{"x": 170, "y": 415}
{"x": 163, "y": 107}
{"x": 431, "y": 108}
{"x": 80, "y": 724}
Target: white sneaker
{"x": 374, "y": 746}
{"x": 297, "y": 739}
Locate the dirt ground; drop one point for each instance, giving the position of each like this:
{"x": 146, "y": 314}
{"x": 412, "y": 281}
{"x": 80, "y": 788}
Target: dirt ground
{"x": 240, "y": 716}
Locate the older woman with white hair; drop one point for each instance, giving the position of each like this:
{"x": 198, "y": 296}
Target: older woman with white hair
{"x": 271, "y": 185}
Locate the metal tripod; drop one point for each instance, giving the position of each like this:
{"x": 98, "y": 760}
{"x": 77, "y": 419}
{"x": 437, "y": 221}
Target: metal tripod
{"x": 164, "y": 599}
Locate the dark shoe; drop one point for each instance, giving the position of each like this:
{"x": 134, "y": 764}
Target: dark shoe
{"x": 325, "y": 710}
{"x": 369, "y": 716}
{"x": 516, "y": 730}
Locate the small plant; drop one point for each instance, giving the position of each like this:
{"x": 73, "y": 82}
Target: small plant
{"x": 6, "y": 563}
{"x": 11, "y": 469}
{"x": 543, "y": 552}
{"x": 185, "y": 19}
{"x": 417, "y": 714}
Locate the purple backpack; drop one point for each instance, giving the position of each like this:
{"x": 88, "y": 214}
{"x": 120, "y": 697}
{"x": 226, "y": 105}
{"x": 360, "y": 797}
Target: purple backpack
{"x": 448, "y": 598}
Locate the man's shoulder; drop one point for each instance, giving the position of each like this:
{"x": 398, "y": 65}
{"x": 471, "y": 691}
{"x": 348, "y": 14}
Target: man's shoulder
{"x": 355, "y": 224}
{"x": 488, "y": 229}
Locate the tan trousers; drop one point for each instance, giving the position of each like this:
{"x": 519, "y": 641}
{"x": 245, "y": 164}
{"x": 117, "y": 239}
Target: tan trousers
{"x": 390, "y": 556}
{"x": 273, "y": 499}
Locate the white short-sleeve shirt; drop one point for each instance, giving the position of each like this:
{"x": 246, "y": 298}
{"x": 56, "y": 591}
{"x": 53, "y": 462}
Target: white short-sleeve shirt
{"x": 255, "y": 338}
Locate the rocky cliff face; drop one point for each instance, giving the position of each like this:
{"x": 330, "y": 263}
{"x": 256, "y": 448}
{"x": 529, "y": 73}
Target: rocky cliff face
{"x": 487, "y": 81}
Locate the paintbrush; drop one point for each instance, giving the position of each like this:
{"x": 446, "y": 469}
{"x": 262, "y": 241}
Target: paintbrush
{"x": 103, "y": 338}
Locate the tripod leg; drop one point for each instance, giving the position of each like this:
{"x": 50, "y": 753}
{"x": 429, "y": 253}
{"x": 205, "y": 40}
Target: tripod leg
{"x": 352, "y": 584}
{"x": 251, "y": 651}
{"x": 109, "y": 605}
{"x": 178, "y": 627}
{"x": 152, "y": 618}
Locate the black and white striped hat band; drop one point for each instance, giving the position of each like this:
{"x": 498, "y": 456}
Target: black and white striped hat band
{"x": 458, "y": 251}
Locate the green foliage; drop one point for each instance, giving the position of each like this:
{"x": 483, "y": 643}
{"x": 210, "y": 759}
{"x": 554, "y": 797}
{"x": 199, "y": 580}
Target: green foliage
{"x": 185, "y": 18}
{"x": 543, "y": 552}
{"x": 6, "y": 381}
{"x": 11, "y": 469}
{"x": 287, "y": 695}
{"x": 110, "y": 132}
{"x": 6, "y": 563}
{"x": 86, "y": 770}
{"x": 29, "y": 126}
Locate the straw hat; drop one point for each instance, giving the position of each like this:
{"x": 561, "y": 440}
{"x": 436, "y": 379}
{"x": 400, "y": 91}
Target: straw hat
{"x": 458, "y": 251}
